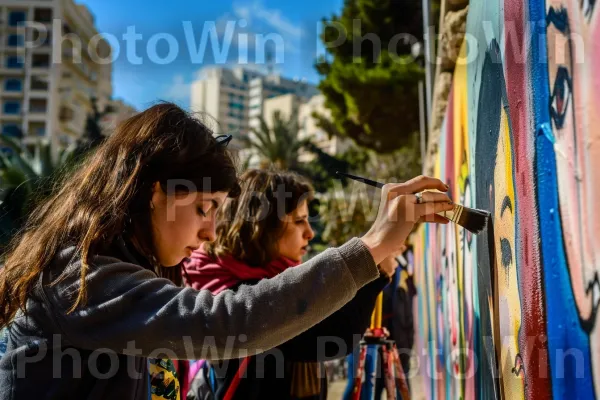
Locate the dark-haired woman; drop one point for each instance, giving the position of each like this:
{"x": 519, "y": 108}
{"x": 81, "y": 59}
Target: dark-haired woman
{"x": 83, "y": 290}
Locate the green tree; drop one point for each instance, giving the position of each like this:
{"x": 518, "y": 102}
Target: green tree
{"x": 92, "y": 135}
{"x": 347, "y": 207}
{"x": 370, "y": 79}
{"x": 26, "y": 177}
{"x": 277, "y": 144}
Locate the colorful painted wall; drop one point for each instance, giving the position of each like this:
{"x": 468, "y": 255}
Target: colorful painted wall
{"x": 512, "y": 313}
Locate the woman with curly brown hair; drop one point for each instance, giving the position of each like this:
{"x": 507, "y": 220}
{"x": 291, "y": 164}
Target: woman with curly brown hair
{"x": 263, "y": 232}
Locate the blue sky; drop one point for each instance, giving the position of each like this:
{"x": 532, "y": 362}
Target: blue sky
{"x": 148, "y": 68}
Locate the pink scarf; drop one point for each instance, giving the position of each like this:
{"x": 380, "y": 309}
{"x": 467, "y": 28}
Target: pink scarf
{"x": 203, "y": 272}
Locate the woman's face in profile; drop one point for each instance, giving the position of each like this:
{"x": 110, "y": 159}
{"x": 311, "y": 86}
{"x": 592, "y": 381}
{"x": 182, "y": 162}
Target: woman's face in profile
{"x": 296, "y": 235}
{"x": 181, "y": 223}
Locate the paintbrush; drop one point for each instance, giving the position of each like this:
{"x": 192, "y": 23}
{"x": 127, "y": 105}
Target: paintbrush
{"x": 471, "y": 219}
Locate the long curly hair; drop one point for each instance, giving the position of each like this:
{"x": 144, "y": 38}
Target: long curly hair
{"x": 252, "y": 223}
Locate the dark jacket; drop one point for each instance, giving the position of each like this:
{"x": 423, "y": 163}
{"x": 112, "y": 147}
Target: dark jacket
{"x": 100, "y": 351}
{"x": 292, "y": 369}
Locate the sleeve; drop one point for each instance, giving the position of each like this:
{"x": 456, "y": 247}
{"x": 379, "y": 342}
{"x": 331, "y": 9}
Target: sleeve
{"x": 131, "y": 311}
{"x": 337, "y": 335}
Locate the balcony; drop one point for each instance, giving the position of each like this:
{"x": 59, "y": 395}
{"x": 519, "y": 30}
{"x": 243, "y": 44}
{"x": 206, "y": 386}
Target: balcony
{"x": 66, "y": 114}
{"x": 72, "y": 127}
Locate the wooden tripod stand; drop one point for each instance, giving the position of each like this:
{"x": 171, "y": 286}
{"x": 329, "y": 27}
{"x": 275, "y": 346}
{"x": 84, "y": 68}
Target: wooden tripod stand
{"x": 393, "y": 374}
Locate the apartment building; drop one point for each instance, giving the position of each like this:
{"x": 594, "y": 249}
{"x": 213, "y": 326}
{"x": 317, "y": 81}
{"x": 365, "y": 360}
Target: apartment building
{"x": 221, "y": 95}
{"x": 270, "y": 86}
{"x": 308, "y": 128}
{"x": 119, "y": 111}
{"x": 289, "y": 105}
{"x": 40, "y": 97}
{"x": 233, "y": 99}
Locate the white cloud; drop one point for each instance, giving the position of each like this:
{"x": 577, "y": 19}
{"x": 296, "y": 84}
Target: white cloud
{"x": 243, "y": 12}
{"x": 277, "y": 21}
{"x": 225, "y": 21}
{"x": 179, "y": 90}
{"x": 256, "y": 12}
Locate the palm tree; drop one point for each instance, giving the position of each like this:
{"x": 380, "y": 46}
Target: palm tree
{"x": 279, "y": 144}
{"x": 25, "y": 178}
{"x": 92, "y": 135}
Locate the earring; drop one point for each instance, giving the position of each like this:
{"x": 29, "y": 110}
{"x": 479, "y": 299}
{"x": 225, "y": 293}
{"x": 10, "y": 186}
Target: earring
{"x": 151, "y": 205}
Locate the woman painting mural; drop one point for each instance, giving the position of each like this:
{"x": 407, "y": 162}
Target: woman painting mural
{"x": 83, "y": 292}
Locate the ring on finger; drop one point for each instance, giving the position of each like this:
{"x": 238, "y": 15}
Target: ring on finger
{"x": 419, "y": 197}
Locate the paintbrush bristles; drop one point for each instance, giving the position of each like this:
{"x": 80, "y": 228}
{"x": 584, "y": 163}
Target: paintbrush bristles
{"x": 471, "y": 219}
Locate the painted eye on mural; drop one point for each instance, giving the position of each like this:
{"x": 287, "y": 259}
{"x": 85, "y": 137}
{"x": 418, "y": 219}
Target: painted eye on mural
{"x": 561, "y": 97}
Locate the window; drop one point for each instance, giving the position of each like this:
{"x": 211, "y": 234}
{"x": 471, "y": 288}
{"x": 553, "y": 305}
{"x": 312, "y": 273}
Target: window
{"x": 12, "y": 107}
{"x": 37, "y": 106}
{"x": 16, "y": 40}
{"x": 37, "y": 129}
{"x": 43, "y": 15}
{"x": 14, "y": 62}
{"x": 38, "y": 84}
{"x": 16, "y": 18}
{"x": 255, "y": 92}
{"x": 13, "y": 130}
{"x": 48, "y": 40}
{"x": 13, "y": 85}
{"x": 40, "y": 61}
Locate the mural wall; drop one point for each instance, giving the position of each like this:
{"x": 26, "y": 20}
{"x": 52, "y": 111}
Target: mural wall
{"x": 512, "y": 313}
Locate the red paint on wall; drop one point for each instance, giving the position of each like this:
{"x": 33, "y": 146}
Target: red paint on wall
{"x": 533, "y": 348}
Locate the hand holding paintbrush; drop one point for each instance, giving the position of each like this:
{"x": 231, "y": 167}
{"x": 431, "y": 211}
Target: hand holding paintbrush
{"x": 469, "y": 218}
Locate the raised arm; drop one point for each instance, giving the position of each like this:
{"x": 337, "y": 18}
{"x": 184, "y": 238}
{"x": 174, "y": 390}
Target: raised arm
{"x": 131, "y": 311}
{"x": 335, "y": 336}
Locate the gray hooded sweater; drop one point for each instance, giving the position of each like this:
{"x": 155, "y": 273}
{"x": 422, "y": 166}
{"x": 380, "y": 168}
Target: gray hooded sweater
{"x": 100, "y": 350}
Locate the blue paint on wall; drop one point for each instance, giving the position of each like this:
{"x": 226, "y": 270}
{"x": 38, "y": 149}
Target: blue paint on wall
{"x": 563, "y": 329}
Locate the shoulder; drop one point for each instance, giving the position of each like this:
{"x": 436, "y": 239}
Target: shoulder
{"x": 68, "y": 262}
{"x": 106, "y": 275}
